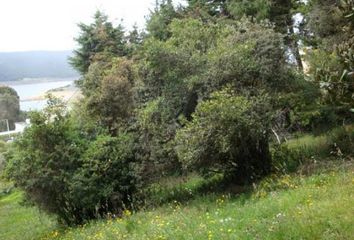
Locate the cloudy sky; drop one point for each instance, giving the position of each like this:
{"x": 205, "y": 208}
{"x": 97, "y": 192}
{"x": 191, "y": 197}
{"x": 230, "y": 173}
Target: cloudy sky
{"x": 51, "y": 24}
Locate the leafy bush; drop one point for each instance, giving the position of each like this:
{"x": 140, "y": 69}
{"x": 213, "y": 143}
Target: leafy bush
{"x": 156, "y": 151}
{"x": 104, "y": 183}
{"x": 228, "y": 134}
{"x": 65, "y": 174}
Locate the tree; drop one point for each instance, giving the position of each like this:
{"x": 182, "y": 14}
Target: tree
{"x": 228, "y": 134}
{"x": 108, "y": 91}
{"x": 99, "y": 37}
{"x": 279, "y": 12}
{"x": 134, "y": 40}
{"x": 256, "y": 9}
{"x": 198, "y": 59}
{"x": 9, "y": 107}
{"x": 160, "y": 18}
{"x": 211, "y": 7}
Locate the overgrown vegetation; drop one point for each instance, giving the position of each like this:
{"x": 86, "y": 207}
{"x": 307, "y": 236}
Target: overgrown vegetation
{"x": 216, "y": 87}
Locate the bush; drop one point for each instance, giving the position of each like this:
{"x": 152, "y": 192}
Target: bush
{"x": 65, "y": 174}
{"x": 104, "y": 183}
{"x": 228, "y": 134}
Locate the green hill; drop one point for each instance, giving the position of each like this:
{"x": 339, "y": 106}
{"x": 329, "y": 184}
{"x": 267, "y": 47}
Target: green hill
{"x": 35, "y": 64}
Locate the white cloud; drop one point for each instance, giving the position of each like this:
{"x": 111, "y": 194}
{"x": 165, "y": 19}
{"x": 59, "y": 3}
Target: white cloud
{"x": 52, "y": 24}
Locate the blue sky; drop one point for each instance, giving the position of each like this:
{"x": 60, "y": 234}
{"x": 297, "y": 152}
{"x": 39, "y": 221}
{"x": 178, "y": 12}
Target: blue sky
{"x": 52, "y": 24}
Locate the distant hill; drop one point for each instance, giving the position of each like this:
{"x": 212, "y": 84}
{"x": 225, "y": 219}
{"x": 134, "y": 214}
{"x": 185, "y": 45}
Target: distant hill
{"x": 35, "y": 64}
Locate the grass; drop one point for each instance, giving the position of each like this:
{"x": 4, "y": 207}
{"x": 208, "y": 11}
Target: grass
{"x": 319, "y": 206}
{"x": 315, "y": 206}
{"x": 322, "y": 145}
{"x": 18, "y": 222}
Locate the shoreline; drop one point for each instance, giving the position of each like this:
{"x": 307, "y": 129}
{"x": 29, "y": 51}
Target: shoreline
{"x": 27, "y": 81}
{"x": 65, "y": 94}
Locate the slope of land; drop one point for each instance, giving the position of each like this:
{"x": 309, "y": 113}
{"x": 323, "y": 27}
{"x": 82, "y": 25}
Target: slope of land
{"x": 318, "y": 206}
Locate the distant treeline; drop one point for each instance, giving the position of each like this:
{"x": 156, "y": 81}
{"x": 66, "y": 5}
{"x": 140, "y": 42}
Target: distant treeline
{"x": 35, "y": 64}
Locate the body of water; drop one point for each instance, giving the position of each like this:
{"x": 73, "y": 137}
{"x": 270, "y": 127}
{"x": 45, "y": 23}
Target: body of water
{"x": 31, "y": 89}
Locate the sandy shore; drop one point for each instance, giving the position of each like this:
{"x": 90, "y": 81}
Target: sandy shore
{"x": 67, "y": 94}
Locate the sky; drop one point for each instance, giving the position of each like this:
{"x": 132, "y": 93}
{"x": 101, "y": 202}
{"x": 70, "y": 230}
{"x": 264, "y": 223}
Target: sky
{"x": 27, "y": 25}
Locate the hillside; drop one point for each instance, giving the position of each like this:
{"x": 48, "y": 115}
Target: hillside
{"x": 317, "y": 206}
{"x": 35, "y": 64}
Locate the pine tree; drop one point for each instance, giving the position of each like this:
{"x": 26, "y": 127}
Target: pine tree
{"x": 99, "y": 37}
{"x": 160, "y": 18}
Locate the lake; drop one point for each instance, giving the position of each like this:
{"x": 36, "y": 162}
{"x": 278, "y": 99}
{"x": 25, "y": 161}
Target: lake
{"x": 32, "y": 88}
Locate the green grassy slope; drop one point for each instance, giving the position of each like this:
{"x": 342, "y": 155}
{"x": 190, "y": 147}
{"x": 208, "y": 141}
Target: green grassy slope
{"x": 320, "y": 206}
{"x": 18, "y": 222}
{"x": 317, "y": 206}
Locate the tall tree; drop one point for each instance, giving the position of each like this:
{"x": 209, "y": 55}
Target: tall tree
{"x": 282, "y": 15}
{"x": 97, "y": 38}
{"x": 212, "y": 7}
{"x": 160, "y": 18}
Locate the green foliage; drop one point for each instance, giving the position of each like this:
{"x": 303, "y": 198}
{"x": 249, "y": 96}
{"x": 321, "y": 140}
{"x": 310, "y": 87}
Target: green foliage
{"x": 285, "y": 159}
{"x": 229, "y": 134}
{"x": 331, "y": 63}
{"x": 107, "y": 88}
{"x": 209, "y": 7}
{"x": 258, "y": 9}
{"x": 100, "y": 37}
{"x": 330, "y": 74}
{"x": 249, "y": 56}
{"x": 342, "y": 141}
{"x": 198, "y": 59}
{"x": 104, "y": 183}
{"x": 160, "y": 18}
{"x": 156, "y": 148}
{"x": 65, "y": 174}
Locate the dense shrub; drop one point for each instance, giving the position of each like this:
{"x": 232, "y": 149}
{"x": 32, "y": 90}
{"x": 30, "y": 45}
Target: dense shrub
{"x": 104, "y": 183}
{"x": 65, "y": 174}
{"x": 228, "y": 134}
{"x": 155, "y": 150}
